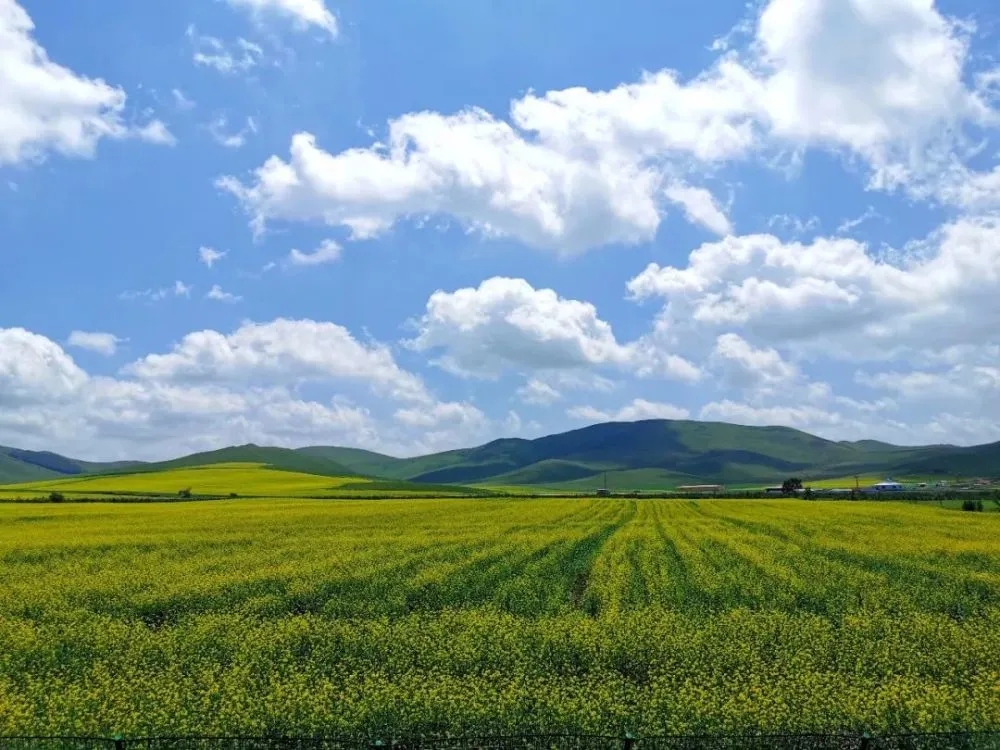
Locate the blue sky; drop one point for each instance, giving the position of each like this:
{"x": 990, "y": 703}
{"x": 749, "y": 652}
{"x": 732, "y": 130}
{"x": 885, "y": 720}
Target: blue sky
{"x": 411, "y": 226}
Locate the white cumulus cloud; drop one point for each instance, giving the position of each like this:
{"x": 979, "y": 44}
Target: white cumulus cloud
{"x": 48, "y": 107}
{"x": 574, "y": 169}
{"x": 834, "y": 297}
{"x": 506, "y": 324}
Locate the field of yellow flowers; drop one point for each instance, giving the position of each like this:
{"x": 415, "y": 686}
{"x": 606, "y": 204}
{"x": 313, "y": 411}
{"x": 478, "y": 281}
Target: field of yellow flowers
{"x": 379, "y": 618}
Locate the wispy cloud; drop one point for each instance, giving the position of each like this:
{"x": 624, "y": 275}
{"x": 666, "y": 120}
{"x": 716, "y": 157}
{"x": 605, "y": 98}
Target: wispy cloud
{"x": 227, "y": 59}
{"x": 209, "y": 256}
{"x": 327, "y": 252}
{"x": 219, "y": 129}
{"x": 181, "y": 100}
{"x": 216, "y": 293}
{"x": 796, "y": 225}
{"x": 849, "y": 224}
{"x": 179, "y": 289}
{"x": 99, "y": 342}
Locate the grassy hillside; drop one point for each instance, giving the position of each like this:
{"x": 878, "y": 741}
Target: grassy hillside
{"x": 671, "y": 452}
{"x": 214, "y": 479}
{"x": 15, "y": 470}
{"x": 700, "y": 451}
{"x": 548, "y": 472}
{"x": 674, "y": 452}
{"x": 17, "y": 465}
{"x": 283, "y": 459}
{"x": 356, "y": 460}
{"x": 979, "y": 460}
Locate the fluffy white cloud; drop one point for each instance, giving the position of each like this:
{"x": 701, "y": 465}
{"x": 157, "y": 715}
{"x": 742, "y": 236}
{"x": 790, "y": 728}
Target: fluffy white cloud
{"x": 975, "y": 387}
{"x": 433, "y": 415}
{"x": 214, "y": 390}
{"x": 219, "y": 295}
{"x": 883, "y": 78}
{"x": 743, "y": 366}
{"x": 506, "y": 324}
{"x": 32, "y": 367}
{"x": 327, "y": 252}
{"x": 47, "y": 107}
{"x": 282, "y": 351}
{"x": 575, "y": 168}
{"x": 102, "y": 343}
{"x": 834, "y": 298}
{"x": 210, "y": 256}
{"x": 638, "y": 409}
{"x": 586, "y": 178}
{"x": 303, "y": 12}
{"x": 957, "y": 405}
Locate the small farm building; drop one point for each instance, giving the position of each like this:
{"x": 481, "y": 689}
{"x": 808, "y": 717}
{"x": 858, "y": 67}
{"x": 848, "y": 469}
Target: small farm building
{"x": 887, "y": 486}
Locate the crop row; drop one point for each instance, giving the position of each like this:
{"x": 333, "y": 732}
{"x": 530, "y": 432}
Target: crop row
{"x": 398, "y": 617}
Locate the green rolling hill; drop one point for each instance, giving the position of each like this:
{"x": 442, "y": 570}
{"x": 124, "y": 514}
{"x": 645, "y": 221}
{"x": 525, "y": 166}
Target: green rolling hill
{"x": 647, "y": 454}
{"x": 285, "y": 459}
{"x": 664, "y": 453}
{"x": 15, "y": 470}
{"x": 366, "y": 463}
{"x": 17, "y": 465}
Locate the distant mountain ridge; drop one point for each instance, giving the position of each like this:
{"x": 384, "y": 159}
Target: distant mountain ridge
{"x": 649, "y": 453}
{"x": 661, "y": 452}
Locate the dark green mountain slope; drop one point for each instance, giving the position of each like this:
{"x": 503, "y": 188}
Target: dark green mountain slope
{"x": 358, "y": 461}
{"x": 978, "y": 460}
{"x": 707, "y": 452}
{"x": 641, "y": 453}
{"x": 15, "y": 470}
{"x": 17, "y": 465}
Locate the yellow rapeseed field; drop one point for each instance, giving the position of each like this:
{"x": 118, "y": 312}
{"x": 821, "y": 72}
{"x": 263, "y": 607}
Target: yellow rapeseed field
{"x": 395, "y": 617}
{"x": 215, "y": 479}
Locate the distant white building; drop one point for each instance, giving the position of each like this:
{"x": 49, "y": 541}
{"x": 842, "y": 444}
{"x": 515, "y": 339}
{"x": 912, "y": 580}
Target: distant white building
{"x": 888, "y": 485}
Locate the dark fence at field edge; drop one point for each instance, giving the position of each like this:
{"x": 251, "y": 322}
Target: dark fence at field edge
{"x": 942, "y": 741}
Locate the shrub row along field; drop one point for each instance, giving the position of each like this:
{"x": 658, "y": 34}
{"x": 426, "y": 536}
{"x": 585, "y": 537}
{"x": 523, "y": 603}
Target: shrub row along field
{"x": 302, "y": 617}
